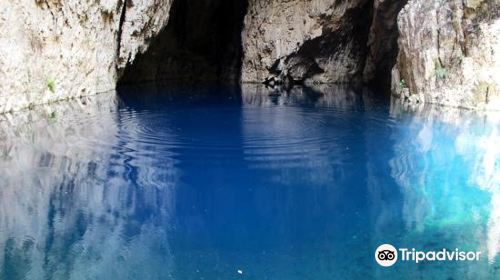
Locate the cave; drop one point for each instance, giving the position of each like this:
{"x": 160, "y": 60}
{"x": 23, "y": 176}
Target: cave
{"x": 382, "y": 44}
{"x": 200, "y": 44}
{"x": 249, "y": 139}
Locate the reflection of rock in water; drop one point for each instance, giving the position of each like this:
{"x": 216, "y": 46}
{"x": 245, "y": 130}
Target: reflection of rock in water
{"x": 338, "y": 97}
{"x": 294, "y": 135}
{"x": 447, "y": 165}
{"x": 64, "y": 214}
{"x": 481, "y": 148}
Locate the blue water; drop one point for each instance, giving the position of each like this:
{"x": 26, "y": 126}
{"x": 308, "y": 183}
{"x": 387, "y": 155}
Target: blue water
{"x": 245, "y": 184}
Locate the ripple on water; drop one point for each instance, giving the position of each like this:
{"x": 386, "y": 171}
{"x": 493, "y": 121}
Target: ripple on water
{"x": 295, "y": 186}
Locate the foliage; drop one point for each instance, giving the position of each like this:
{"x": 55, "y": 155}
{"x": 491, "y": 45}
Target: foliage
{"x": 51, "y": 85}
{"x": 402, "y": 84}
{"x": 440, "y": 72}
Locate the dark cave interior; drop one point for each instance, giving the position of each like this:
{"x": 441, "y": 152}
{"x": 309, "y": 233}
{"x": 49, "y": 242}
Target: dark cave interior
{"x": 201, "y": 44}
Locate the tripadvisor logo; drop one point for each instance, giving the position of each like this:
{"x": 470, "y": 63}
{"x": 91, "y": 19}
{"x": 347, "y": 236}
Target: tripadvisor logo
{"x": 387, "y": 255}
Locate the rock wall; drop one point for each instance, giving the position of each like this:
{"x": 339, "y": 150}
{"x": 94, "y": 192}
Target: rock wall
{"x": 305, "y": 41}
{"x": 52, "y": 49}
{"x": 449, "y": 53}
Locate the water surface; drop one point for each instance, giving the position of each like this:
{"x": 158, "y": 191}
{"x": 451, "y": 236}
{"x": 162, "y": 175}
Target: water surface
{"x": 245, "y": 184}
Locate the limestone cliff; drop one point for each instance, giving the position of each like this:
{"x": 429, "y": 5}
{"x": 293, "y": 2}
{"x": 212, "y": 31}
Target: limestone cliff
{"x": 54, "y": 49}
{"x": 449, "y": 53}
{"x": 305, "y": 41}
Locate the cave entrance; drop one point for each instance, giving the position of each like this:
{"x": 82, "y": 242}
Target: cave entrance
{"x": 200, "y": 44}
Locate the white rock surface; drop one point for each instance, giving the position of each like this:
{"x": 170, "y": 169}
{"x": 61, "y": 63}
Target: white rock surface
{"x": 52, "y": 50}
{"x": 449, "y": 53}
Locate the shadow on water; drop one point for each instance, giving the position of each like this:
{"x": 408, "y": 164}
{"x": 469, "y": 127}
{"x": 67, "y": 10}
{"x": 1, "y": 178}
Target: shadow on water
{"x": 190, "y": 184}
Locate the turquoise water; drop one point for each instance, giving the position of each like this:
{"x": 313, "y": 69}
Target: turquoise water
{"x": 246, "y": 184}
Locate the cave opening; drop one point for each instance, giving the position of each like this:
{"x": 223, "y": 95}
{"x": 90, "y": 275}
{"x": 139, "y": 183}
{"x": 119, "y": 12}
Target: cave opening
{"x": 200, "y": 44}
{"x": 382, "y": 45}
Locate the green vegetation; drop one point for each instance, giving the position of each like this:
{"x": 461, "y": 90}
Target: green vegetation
{"x": 402, "y": 84}
{"x": 440, "y": 72}
{"x": 51, "y": 85}
{"x": 52, "y": 117}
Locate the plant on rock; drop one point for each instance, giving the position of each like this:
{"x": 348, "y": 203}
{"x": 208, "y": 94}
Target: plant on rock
{"x": 51, "y": 85}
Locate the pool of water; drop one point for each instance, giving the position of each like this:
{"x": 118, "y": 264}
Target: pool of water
{"x": 245, "y": 184}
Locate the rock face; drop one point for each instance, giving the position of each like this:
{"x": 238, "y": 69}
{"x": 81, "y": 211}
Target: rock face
{"x": 305, "y": 41}
{"x": 52, "y": 49}
{"x": 449, "y": 53}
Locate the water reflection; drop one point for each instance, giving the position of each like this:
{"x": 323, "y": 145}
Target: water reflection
{"x": 191, "y": 184}
{"x": 295, "y": 135}
{"x": 70, "y": 207}
{"x": 448, "y": 165}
